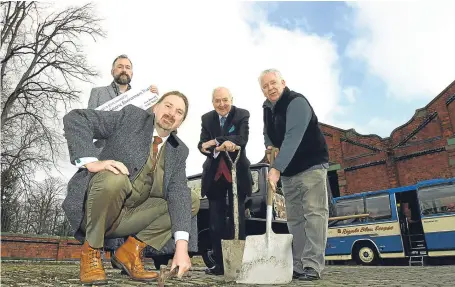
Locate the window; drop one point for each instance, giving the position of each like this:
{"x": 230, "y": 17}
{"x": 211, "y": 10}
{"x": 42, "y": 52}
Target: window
{"x": 437, "y": 200}
{"x": 378, "y": 206}
{"x": 350, "y": 206}
{"x": 195, "y": 185}
{"x": 255, "y": 176}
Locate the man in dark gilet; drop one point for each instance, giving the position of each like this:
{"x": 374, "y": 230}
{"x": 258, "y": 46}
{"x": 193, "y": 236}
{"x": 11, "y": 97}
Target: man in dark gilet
{"x": 291, "y": 125}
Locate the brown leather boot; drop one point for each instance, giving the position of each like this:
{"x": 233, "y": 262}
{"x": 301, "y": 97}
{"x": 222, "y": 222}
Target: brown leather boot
{"x": 129, "y": 258}
{"x": 92, "y": 270}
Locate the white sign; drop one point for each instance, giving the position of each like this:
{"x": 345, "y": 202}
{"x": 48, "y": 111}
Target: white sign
{"x": 143, "y": 99}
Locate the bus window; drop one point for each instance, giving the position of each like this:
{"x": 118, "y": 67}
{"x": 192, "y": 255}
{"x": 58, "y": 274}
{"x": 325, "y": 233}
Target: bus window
{"x": 437, "y": 200}
{"x": 350, "y": 206}
{"x": 378, "y": 206}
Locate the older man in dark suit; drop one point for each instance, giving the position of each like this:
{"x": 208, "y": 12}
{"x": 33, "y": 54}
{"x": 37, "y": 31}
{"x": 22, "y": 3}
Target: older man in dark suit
{"x": 136, "y": 187}
{"x": 224, "y": 128}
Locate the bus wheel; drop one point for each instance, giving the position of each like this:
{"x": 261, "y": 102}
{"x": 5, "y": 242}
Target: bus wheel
{"x": 365, "y": 254}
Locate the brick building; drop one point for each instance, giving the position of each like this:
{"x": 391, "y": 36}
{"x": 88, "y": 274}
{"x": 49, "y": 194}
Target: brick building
{"x": 421, "y": 149}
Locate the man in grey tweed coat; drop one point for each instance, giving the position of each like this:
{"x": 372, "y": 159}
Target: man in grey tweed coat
{"x": 135, "y": 187}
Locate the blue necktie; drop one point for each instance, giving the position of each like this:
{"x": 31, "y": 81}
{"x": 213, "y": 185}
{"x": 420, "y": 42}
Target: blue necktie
{"x": 222, "y": 121}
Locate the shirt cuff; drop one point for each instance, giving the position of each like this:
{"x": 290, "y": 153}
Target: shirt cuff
{"x": 181, "y": 235}
{"x": 216, "y": 153}
{"x": 80, "y": 162}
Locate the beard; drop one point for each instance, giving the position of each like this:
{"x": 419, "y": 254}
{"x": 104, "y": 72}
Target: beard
{"x": 164, "y": 125}
{"x": 122, "y": 79}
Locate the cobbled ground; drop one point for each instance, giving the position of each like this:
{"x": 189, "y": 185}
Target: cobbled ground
{"x": 48, "y": 273}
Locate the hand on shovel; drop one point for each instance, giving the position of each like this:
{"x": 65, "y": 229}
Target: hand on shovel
{"x": 273, "y": 177}
{"x": 272, "y": 186}
{"x": 227, "y": 146}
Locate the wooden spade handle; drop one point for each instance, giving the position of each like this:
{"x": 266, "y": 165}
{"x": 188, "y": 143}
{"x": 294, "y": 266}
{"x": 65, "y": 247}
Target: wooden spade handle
{"x": 270, "y": 188}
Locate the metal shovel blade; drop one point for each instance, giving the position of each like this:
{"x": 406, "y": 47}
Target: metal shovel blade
{"x": 233, "y": 249}
{"x": 232, "y": 258}
{"x": 267, "y": 259}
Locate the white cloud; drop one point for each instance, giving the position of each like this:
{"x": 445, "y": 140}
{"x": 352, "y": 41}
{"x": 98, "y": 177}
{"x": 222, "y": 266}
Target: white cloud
{"x": 379, "y": 126}
{"x": 409, "y": 44}
{"x": 203, "y": 45}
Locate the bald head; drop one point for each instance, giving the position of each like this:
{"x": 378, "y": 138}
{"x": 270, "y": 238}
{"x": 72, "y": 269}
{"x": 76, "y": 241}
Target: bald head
{"x": 222, "y": 100}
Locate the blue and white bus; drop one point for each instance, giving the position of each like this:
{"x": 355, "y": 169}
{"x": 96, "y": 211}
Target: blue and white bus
{"x": 414, "y": 222}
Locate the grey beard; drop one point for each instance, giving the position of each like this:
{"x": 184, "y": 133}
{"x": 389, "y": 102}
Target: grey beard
{"x": 121, "y": 81}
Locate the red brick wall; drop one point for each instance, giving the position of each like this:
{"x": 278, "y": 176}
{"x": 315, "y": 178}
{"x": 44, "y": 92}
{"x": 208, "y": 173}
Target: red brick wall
{"x": 421, "y": 149}
{"x": 19, "y": 246}
{"x": 369, "y": 178}
{"x": 424, "y": 167}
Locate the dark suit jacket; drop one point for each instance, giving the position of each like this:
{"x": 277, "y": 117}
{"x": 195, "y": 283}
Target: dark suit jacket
{"x": 128, "y": 134}
{"x": 236, "y": 130}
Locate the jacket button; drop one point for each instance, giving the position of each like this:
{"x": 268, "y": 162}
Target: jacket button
{"x": 135, "y": 169}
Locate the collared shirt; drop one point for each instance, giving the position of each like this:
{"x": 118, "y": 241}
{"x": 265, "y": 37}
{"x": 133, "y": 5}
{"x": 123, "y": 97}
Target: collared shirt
{"x": 155, "y": 133}
{"x": 116, "y": 88}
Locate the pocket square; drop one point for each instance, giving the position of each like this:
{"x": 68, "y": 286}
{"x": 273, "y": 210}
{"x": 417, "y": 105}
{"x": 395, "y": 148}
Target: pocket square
{"x": 231, "y": 129}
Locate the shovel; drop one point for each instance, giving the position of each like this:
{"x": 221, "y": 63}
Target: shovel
{"x": 267, "y": 258}
{"x": 165, "y": 274}
{"x": 233, "y": 249}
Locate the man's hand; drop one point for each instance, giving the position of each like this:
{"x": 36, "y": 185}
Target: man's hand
{"x": 226, "y": 146}
{"x": 273, "y": 177}
{"x": 111, "y": 165}
{"x": 181, "y": 258}
{"x": 154, "y": 89}
{"x": 206, "y": 145}
{"x": 269, "y": 148}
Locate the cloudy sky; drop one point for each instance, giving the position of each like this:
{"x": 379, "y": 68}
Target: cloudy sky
{"x": 362, "y": 65}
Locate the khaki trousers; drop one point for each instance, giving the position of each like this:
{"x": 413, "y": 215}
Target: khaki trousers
{"x": 107, "y": 216}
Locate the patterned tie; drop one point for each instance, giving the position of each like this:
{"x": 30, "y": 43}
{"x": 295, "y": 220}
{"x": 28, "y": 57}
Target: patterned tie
{"x": 222, "y": 121}
{"x": 156, "y": 141}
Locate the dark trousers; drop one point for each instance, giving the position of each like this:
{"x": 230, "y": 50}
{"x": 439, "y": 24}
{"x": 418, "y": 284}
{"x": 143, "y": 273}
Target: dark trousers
{"x": 221, "y": 216}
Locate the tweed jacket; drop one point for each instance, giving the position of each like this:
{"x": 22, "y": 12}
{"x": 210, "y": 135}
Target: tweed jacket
{"x": 128, "y": 134}
{"x": 101, "y": 95}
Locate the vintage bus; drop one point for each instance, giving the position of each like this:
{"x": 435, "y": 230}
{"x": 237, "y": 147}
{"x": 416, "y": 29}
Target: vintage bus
{"x": 411, "y": 222}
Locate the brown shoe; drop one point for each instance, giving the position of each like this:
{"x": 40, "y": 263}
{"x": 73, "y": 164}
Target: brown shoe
{"x": 129, "y": 258}
{"x": 92, "y": 270}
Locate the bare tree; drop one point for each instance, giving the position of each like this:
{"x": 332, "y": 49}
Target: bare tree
{"x": 43, "y": 203}
{"x": 39, "y": 211}
{"x": 41, "y": 60}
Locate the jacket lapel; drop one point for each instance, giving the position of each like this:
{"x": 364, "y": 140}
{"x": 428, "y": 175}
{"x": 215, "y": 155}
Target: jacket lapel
{"x": 228, "y": 122}
{"x": 172, "y": 153}
{"x": 111, "y": 92}
{"x": 216, "y": 122}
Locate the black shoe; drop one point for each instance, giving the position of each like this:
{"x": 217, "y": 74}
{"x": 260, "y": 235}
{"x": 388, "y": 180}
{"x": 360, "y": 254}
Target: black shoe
{"x": 215, "y": 270}
{"x": 309, "y": 274}
{"x": 296, "y": 275}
